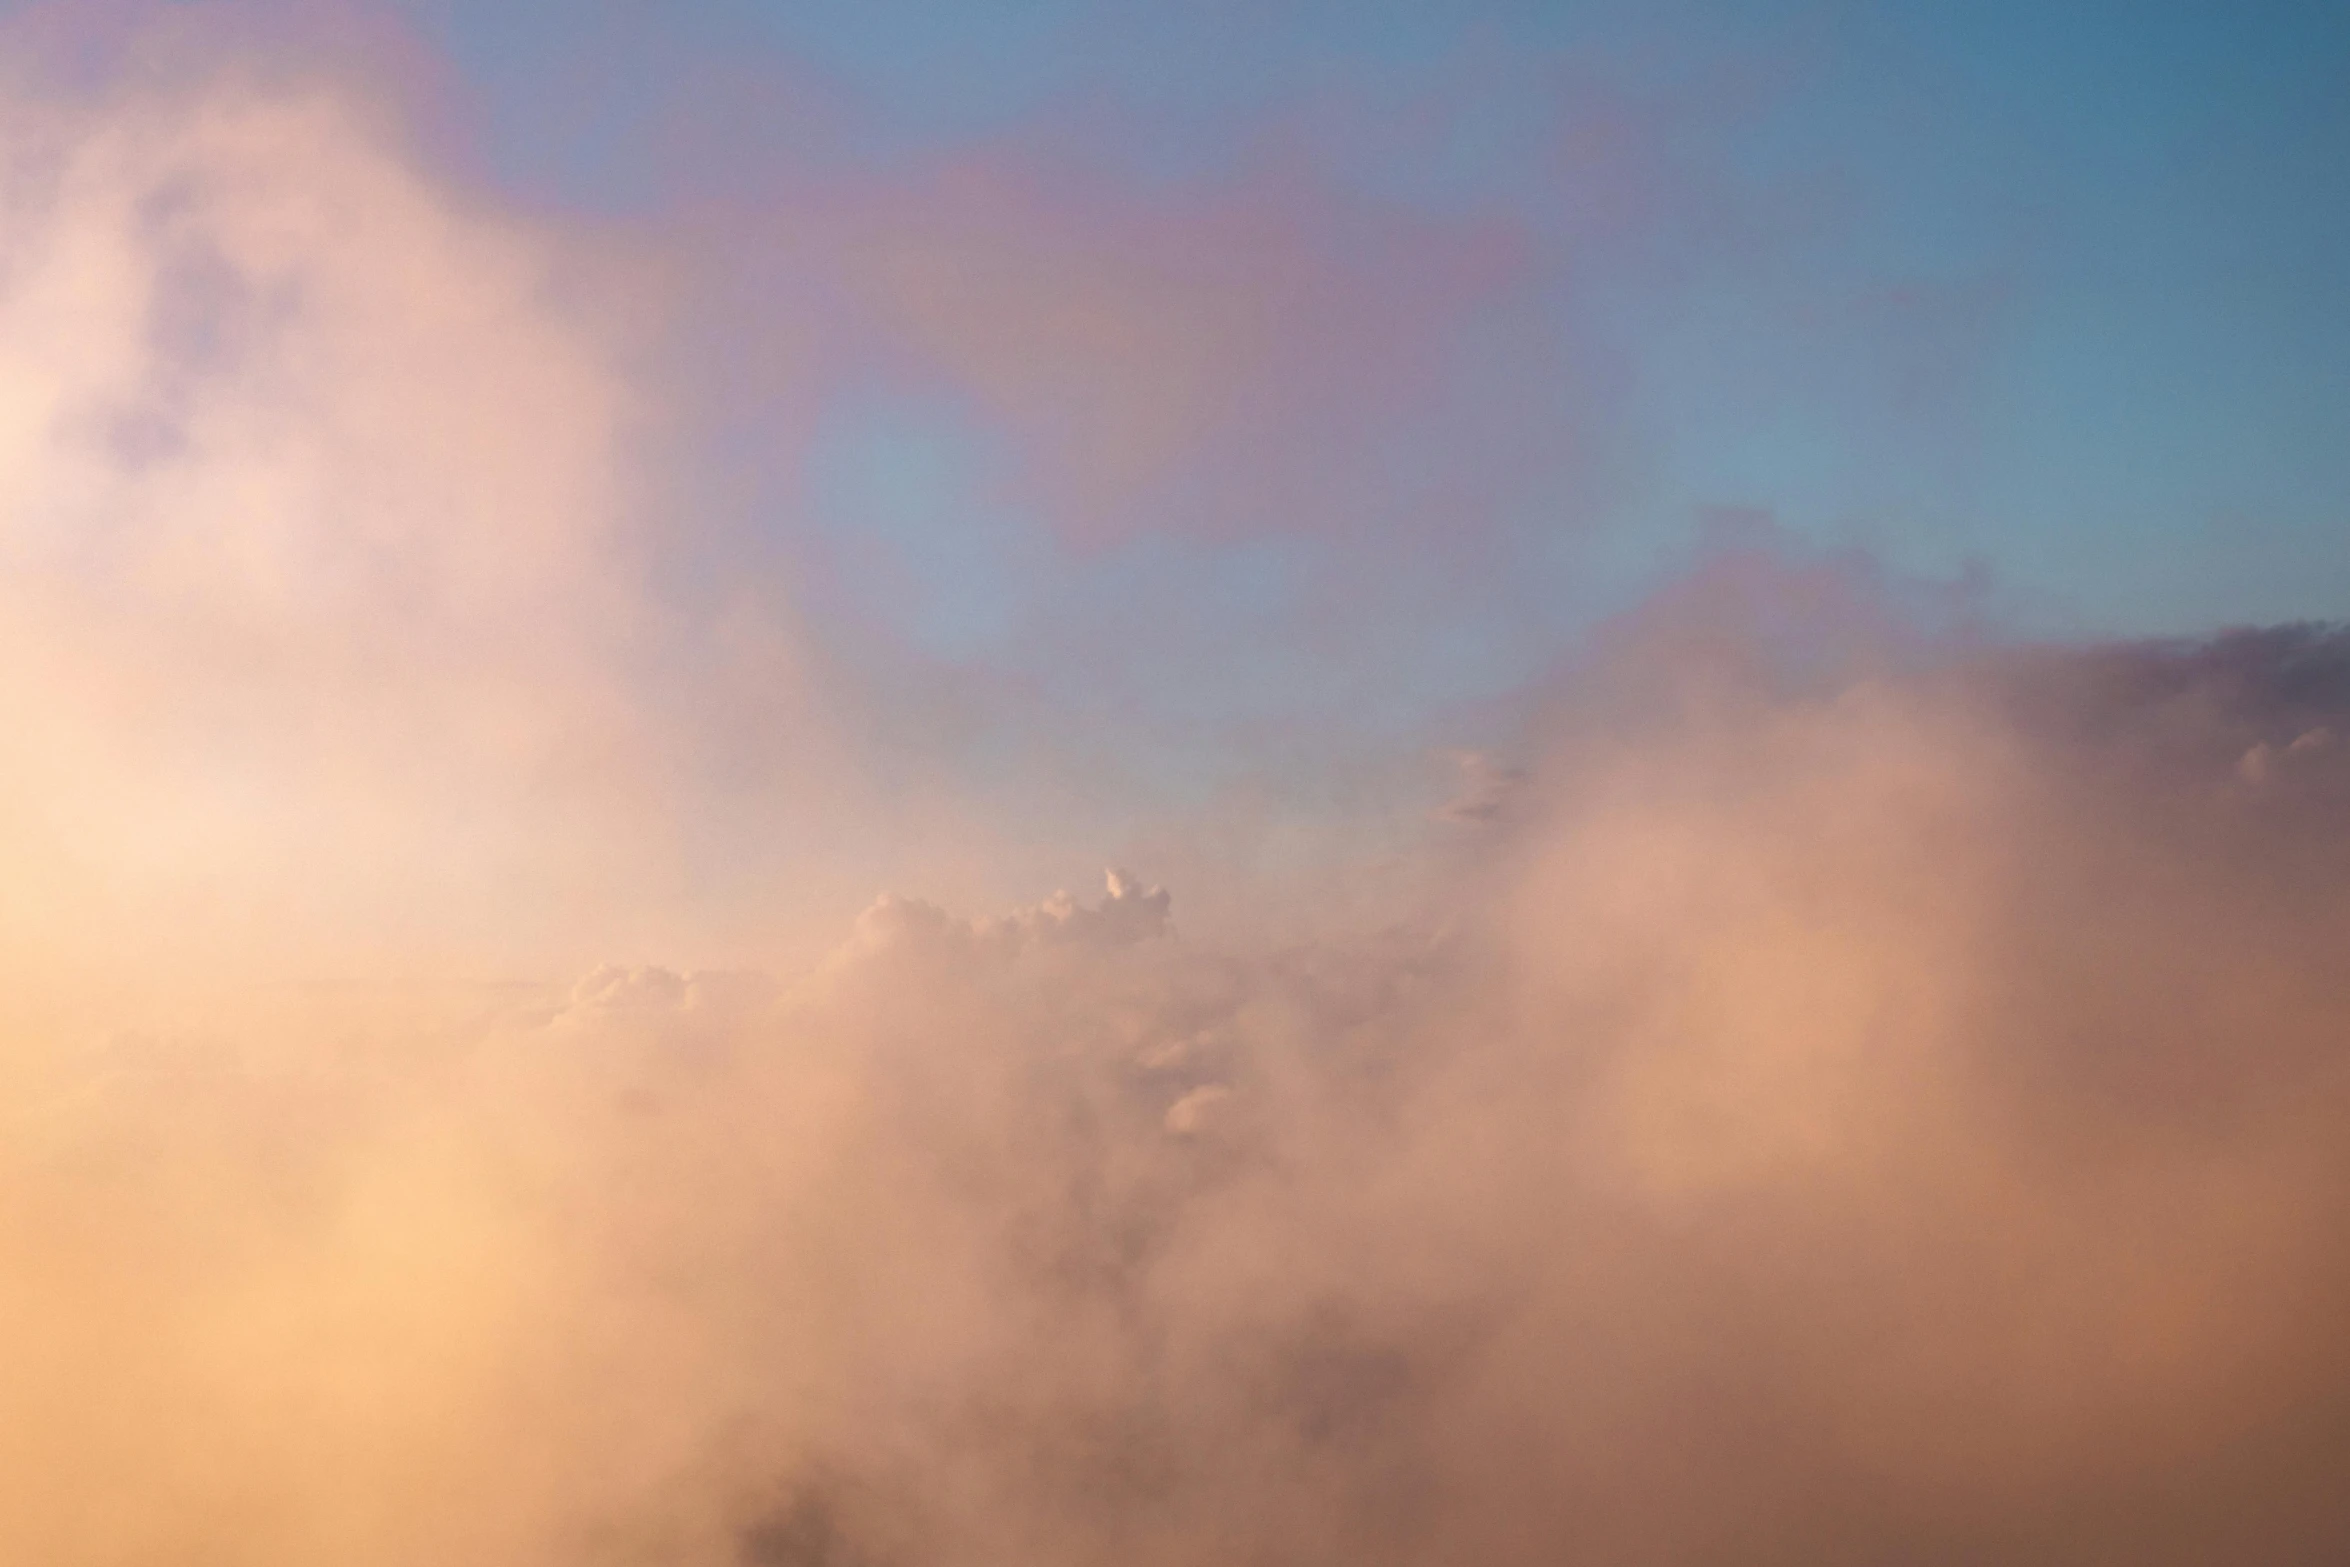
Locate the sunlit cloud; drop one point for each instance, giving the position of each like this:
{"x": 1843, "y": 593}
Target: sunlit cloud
{"x": 539, "y": 741}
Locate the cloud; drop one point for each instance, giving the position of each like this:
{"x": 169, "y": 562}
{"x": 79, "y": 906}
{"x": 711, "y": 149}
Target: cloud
{"x": 1867, "y": 1091}
{"x": 1893, "y": 1115}
{"x": 1486, "y": 787}
{"x": 316, "y": 520}
{"x": 1147, "y": 355}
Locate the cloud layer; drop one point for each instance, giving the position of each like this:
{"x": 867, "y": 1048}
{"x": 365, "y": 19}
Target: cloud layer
{"x": 1858, "y": 1117}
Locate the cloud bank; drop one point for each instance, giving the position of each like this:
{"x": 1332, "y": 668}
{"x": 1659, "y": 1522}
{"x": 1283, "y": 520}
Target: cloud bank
{"x": 1886, "y": 1115}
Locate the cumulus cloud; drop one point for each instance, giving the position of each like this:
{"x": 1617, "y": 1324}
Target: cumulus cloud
{"x": 1896, "y": 1116}
{"x": 313, "y": 513}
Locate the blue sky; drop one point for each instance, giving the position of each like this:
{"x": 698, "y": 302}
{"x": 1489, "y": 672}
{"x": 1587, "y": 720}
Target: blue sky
{"x": 1173, "y": 389}
{"x": 2056, "y": 289}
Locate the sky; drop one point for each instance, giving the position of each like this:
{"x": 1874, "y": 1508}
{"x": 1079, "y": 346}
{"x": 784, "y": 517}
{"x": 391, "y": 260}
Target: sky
{"x": 1355, "y": 362}
{"x": 824, "y": 785}
{"x": 2047, "y": 288}
{"x": 1505, "y": 309}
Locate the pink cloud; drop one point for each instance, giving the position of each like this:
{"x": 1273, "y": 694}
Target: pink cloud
{"x": 1187, "y": 348}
